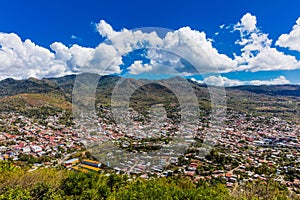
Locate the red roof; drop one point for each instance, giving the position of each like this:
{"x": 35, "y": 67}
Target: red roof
{"x": 190, "y": 173}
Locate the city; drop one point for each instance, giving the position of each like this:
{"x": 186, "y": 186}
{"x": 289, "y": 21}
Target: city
{"x": 248, "y": 148}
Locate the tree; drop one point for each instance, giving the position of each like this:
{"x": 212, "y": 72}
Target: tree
{"x": 17, "y": 193}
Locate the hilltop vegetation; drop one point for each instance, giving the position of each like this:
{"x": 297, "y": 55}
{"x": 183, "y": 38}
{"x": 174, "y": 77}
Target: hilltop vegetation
{"x": 20, "y": 102}
{"x": 17, "y": 184}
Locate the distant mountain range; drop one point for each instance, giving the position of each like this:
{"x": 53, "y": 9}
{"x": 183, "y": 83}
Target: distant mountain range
{"x": 64, "y": 86}
{"x": 282, "y": 90}
{"x": 32, "y": 93}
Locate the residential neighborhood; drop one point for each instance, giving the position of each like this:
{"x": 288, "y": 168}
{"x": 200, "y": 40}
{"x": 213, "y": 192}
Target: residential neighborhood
{"x": 246, "y": 148}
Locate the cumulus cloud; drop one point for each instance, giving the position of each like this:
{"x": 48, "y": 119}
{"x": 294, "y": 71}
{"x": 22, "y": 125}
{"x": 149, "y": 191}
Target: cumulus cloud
{"x": 62, "y": 52}
{"x": 138, "y": 67}
{"x": 247, "y": 23}
{"x": 183, "y": 51}
{"x": 105, "y": 29}
{"x": 20, "y": 59}
{"x": 257, "y": 53}
{"x": 291, "y": 40}
{"x": 196, "y": 48}
{"x": 186, "y": 43}
{"x": 103, "y": 59}
{"x": 226, "y": 82}
{"x": 281, "y": 80}
{"x": 125, "y": 41}
{"x": 221, "y": 81}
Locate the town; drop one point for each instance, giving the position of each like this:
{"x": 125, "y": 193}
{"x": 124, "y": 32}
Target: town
{"x": 247, "y": 148}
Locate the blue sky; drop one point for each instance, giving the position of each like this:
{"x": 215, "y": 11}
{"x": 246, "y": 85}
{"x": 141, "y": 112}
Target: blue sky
{"x": 54, "y": 38}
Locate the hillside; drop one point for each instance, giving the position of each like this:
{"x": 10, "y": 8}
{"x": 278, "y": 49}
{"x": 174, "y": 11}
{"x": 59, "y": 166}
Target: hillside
{"x": 275, "y": 90}
{"x": 277, "y": 100}
{"x": 10, "y": 87}
{"x": 27, "y": 101}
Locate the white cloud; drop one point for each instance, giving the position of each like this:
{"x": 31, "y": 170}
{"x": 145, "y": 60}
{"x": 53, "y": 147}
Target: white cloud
{"x": 226, "y": 82}
{"x": 74, "y": 58}
{"x": 281, "y": 80}
{"x": 103, "y": 59}
{"x": 291, "y": 40}
{"x": 267, "y": 59}
{"x": 138, "y": 67}
{"x": 196, "y": 48}
{"x": 126, "y": 41}
{"x": 74, "y": 37}
{"x": 20, "y": 59}
{"x": 105, "y": 29}
{"x": 80, "y": 57}
{"x": 257, "y": 53}
{"x": 221, "y": 81}
{"x": 62, "y": 52}
{"x": 192, "y": 45}
{"x": 247, "y": 23}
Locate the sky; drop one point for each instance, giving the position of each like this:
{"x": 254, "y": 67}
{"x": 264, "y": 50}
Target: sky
{"x": 233, "y": 42}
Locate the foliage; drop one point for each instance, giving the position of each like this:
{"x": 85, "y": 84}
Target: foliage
{"x": 56, "y": 184}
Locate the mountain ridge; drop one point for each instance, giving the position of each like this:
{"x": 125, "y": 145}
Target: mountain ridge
{"x": 64, "y": 86}
{"x": 49, "y": 93}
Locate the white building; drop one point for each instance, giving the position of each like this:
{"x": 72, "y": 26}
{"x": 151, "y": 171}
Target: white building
{"x": 26, "y": 149}
{"x": 36, "y": 149}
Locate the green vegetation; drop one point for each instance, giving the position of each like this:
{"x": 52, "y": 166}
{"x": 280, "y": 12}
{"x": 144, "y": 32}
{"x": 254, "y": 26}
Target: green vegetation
{"x": 16, "y": 183}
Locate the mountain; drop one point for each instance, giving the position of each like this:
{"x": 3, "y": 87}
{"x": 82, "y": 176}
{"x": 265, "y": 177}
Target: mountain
{"x": 10, "y": 87}
{"x": 56, "y": 93}
{"x": 275, "y": 90}
{"x": 64, "y": 86}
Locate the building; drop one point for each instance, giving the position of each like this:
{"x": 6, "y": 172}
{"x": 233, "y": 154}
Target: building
{"x": 71, "y": 162}
{"x": 36, "y": 149}
{"x": 91, "y": 163}
{"x": 90, "y": 168}
{"x": 26, "y": 149}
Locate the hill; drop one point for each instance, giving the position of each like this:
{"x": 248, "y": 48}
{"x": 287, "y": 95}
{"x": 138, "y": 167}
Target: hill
{"x": 275, "y": 90}
{"x": 276, "y": 100}
{"x": 22, "y": 101}
{"x": 10, "y": 87}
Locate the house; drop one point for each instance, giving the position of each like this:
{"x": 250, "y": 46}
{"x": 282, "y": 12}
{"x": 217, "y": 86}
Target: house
{"x": 26, "y": 149}
{"x": 36, "y": 149}
{"x": 190, "y": 173}
{"x": 3, "y": 148}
